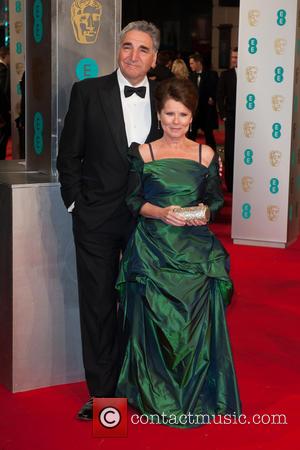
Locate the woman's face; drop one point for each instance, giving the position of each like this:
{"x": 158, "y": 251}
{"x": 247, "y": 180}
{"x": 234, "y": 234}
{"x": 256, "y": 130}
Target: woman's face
{"x": 175, "y": 119}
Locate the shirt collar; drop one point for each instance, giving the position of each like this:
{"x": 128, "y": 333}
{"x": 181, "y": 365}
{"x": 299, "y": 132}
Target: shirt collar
{"x": 124, "y": 82}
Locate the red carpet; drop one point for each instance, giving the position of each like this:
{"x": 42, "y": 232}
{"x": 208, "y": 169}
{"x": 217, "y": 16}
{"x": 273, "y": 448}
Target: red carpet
{"x": 9, "y": 150}
{"x": 264, "y": 327}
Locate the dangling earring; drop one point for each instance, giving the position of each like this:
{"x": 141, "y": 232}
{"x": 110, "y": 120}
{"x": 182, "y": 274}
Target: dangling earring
{"x": 190, "y": 127}
{"x": 158, "y": 124}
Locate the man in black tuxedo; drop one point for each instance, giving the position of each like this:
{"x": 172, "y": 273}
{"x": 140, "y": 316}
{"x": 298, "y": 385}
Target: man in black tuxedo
{"x": 206, "y": 116}
{"x": 105, "y": 115}
{"x": 226, "y": 100}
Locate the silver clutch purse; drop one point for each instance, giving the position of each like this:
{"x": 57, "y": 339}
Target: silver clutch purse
{"x": 200, "y": 212}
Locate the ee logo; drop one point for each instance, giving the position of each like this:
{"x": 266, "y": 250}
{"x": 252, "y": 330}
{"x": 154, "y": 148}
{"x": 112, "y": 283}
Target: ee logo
{"x": 248, "y": 156}
{"x": 38, "y": 126}
{"x": 246, "y": 211}
{"x": 276, "y": 127}
{"x": 87, "y": 68}
{"x": 252, "y": 46}
{"x": 38, "y": 29}
{"x": 278, "y": 77}
{"x": 274, "y": 185}
{"x": 18, "y": 48}
{"x": 281, "y": 17}
{"x": 18, "y": 6}
{"x": 250, "y": 104}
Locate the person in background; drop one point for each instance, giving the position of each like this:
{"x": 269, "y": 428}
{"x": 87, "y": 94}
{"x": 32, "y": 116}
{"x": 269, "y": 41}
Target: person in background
{"x": 162, "y": 69}
{"x": 5, "y": 118}
{"x": 226, "y": 100}
{"x": 206, "y": 116}
{"x": 20, "y": 121}
{"x": 179, "y": 69}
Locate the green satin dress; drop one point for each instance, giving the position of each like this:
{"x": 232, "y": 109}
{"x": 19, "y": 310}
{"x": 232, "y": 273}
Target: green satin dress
{"x": 174, "y": 288}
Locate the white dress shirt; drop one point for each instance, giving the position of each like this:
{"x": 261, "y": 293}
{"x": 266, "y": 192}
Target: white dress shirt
{"x": 136, "y": 111}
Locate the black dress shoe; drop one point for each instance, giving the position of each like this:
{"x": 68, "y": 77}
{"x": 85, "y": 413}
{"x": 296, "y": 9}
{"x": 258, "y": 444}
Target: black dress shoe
{"x": 86, "y": 412}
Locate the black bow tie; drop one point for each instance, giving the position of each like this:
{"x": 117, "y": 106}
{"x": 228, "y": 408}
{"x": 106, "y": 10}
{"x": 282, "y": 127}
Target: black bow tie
{"x": 140, "y": 91}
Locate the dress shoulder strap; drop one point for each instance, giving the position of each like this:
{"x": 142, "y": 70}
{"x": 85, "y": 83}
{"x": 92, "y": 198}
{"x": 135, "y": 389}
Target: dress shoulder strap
{"x": 151, "y": 152}
{"x": 200, "y": 153}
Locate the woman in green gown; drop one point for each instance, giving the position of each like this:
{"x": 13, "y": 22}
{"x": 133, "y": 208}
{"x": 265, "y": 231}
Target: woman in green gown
{"x": 173, "y": 281}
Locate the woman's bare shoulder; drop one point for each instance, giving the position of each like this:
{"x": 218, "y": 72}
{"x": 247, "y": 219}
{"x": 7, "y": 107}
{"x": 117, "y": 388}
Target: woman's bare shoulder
{"x": 145, "y": 151}
{"x": 207, "y": 155}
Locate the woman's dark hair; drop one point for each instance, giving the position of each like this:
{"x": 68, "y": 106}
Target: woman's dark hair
{"x": 183, "y": 91}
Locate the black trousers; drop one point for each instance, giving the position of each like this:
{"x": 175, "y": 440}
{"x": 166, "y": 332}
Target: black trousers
{"x": 4, "y": 135}
{"x": 229, "y": 152}
{"x": 97, "y": 257}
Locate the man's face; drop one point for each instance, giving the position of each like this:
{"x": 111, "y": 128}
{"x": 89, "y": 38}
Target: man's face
{"x": 234, "y": 59}
{"x": 136, "y": 56}
{"x": 195, "y": 66}
{"x": 86, "y": 22}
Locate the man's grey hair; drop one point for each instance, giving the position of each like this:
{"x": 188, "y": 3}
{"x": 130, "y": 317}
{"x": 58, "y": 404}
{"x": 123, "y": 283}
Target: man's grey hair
{"x": 146, "y": 27}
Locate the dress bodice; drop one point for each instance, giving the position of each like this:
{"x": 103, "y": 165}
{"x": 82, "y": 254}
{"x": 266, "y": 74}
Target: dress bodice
{"x": 172, "y": 181}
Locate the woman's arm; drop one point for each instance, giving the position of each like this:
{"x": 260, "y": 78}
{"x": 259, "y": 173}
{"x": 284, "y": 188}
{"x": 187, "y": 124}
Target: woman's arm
{"x": 167, "y": 214}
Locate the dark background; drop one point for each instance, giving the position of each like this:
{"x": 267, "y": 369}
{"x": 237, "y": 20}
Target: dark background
{"x": 185, "y": 25}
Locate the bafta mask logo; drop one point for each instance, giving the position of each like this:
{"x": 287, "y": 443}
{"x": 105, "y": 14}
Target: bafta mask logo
{"x": 280, "y": 45}
{"x": 247, "y": 183}
{"x": 19, "y": 68}
{"x": 273, "y": 212}
{"x": 277, "y": 102}
{"x": 253, "y": 17}
{"x": 251, "y": 74}
{"x": 85, "y": 17}
{"x": 18, "y": 26}
{"x": 249, "y": 129}
{"x": 275, "y": 158}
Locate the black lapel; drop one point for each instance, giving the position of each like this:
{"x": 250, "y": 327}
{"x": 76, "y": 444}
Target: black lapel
{"x": 109, "y": 93}
{"x": 153, "y": 133}
{"x": 234, "y": 77}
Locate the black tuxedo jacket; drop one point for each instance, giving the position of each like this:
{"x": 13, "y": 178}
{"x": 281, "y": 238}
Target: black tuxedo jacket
{"x": 92, "y": 158}
{"x": 226, "y": 95}
{"x": 206, "y": 114}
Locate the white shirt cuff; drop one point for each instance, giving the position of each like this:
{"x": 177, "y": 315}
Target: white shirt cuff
{"x": 71, "y": 207}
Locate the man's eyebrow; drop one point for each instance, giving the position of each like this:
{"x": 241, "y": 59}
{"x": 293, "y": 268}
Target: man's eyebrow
{"x": 142, "y": 47}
